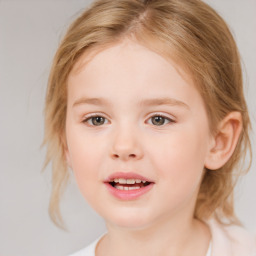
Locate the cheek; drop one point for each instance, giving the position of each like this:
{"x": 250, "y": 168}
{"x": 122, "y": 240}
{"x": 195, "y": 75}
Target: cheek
{"x": 84, "y": 156}
{"x": 179, "y": 159}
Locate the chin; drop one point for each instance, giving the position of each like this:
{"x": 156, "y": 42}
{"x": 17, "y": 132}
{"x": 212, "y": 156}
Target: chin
{"x": 129, "y": 220}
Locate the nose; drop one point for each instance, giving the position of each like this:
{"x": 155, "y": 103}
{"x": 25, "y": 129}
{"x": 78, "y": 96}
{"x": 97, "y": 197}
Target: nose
{"x": 126, "y": 145}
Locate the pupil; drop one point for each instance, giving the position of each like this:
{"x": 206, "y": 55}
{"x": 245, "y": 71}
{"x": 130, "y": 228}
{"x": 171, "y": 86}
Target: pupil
{"x": 98, "y": 120}
{"x": 158, "y": 120}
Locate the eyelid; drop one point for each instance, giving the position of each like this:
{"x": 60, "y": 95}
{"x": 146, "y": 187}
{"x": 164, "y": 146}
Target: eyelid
{"x": 165, "y": 115}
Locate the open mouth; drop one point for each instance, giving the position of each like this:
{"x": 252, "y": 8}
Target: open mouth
{"x": 128, "y": 184}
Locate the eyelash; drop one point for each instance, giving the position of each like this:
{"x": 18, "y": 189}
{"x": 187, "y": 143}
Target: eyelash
{"x": 89, "y": 118}
{"x": 164, "y": 117}
{"x": 86, "y": 120}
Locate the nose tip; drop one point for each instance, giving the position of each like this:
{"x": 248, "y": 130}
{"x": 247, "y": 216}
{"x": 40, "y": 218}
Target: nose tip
{"x": 126, "y": 146}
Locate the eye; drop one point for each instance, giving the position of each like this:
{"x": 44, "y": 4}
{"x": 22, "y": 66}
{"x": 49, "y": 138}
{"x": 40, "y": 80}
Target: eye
{"x": 95, "y": 120}
{"x": 160, "y": 120}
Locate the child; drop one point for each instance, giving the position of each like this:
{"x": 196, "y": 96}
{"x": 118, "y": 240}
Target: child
{"x": 145, "y": 104}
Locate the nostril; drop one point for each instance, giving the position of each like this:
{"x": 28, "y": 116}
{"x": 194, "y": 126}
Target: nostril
{"x": 130, "y": 155}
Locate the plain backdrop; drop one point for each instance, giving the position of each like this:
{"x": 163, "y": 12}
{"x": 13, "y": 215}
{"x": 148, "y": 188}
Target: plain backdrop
{"x": 30, "y": 32}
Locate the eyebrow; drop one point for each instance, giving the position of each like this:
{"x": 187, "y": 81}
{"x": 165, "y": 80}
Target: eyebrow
{"x": 91, "y": 101}
{"x": 163, "y": 101}
{"x": 145, "y": 102}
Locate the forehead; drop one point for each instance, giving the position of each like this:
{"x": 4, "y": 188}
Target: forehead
{"x": 150, "y": 56}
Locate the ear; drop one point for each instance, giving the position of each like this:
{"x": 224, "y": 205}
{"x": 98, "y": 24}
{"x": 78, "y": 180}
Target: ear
{"x": 225, "y": 141}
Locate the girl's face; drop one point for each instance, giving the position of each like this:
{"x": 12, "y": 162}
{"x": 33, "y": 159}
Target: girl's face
{"x": 133, "y": 117}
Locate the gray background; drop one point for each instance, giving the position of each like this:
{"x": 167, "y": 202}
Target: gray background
{"x": 29, "y": 35}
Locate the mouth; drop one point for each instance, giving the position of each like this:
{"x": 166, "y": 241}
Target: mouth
{"x": 128, "y": 186}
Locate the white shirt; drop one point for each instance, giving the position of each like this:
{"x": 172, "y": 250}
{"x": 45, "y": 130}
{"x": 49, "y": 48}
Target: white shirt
{"x": 89, "y": 250}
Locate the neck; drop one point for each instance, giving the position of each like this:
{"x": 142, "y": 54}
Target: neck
{"x": 164, "y": 237}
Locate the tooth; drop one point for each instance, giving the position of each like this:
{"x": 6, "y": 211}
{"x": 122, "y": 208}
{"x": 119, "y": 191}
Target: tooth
{"x": 132, "y": 188}
{"x": 126, "y": 188}
{"x": 122, "y": 181}
{"x": 119, "y": 187}
{"x": 130, "y": 181}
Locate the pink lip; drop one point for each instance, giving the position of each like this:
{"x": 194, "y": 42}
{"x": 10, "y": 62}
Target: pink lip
{"x": 126, "y": 175}
{"x": 128, "y": 194}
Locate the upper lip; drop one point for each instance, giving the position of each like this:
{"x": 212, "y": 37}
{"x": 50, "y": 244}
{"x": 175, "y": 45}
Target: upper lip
{"x": 127, "y": 175}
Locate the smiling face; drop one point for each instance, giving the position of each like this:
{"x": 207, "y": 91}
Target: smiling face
{"x": 131, "y": 115}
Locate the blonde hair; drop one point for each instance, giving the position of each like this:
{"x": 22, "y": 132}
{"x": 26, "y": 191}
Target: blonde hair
{"x": 188, "y": 31}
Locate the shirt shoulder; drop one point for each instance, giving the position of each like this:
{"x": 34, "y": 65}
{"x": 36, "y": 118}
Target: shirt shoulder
{"x": 231, "y": 240}
{"x": 242, "y": 240}
{"x": 88, "y": 250}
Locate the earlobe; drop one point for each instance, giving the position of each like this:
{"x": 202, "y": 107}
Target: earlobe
{"x": 225, "y": 141}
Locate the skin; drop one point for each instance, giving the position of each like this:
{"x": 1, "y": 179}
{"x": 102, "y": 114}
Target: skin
{"x": 172, "y": 154}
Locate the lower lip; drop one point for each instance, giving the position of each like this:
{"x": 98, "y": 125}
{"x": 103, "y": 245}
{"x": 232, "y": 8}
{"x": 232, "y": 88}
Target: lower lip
{"x": 129, "y": 194}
